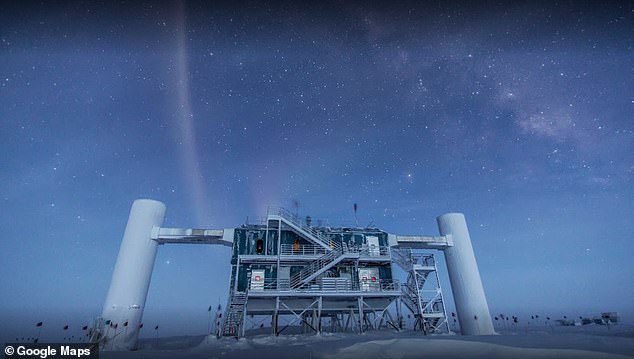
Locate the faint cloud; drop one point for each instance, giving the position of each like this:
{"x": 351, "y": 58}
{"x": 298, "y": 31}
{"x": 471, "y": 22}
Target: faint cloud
{"x": 556, "y": 126}
{"x": 604, "y": 181}
{"x": 538, "y": 116}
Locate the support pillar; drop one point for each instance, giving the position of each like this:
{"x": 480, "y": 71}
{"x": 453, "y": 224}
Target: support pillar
{"x": 360, "y": 305}
{"x": 466, "y": 285}
{"x": 276, "y": 316}
{"x": 319, "y": 307}
{"x": 125, "y": 301}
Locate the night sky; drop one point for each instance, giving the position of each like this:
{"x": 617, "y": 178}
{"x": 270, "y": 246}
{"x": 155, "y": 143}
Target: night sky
{"x": 519, "y": 116}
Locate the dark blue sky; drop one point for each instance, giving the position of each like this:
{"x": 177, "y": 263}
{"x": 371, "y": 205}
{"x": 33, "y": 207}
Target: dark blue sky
{"x": 520, "y": 116}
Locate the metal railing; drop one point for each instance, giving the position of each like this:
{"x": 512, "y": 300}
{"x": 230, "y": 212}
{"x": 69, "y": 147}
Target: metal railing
{"x": 369, "y": 251}
{"x": 318, "y": 264}
{"x": 326, "y": 259}
{"x": 406, "y": 259}
{"x": 311, "y": 269}
{"x": 429, "y": 307}
{"x": 330, "y": 284}
{"x": 403, "y": 258}
{"x": 313, "y": 249}
{"x": 299, "y": 223}
{"x": 425, "y": 260}
{"x": 316, "y": 234}
{"x": 302, "y": 250}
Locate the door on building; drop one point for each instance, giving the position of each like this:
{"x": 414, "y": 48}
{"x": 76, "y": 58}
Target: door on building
{"x": 373, "y": 246}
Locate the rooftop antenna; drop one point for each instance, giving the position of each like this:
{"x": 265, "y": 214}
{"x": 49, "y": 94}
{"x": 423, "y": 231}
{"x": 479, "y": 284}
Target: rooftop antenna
{"x": 296, "y": 207}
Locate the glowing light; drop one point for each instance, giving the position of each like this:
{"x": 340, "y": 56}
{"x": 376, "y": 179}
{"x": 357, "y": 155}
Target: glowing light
{"x": 192, "y": 172}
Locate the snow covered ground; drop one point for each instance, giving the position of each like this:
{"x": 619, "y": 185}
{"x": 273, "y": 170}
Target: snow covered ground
{"x": 564, "y": 342}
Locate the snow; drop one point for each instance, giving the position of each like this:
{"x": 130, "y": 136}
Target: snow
{"x": 567, "y": 343}
{"x": 413, "y": 348}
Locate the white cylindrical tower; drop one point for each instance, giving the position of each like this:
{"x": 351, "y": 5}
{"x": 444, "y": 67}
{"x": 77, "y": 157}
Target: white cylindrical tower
{"x": 125, "y": 302}
{"x": 466, "y": 285}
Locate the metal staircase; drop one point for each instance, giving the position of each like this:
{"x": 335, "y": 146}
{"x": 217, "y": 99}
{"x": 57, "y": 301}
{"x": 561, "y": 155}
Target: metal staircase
{"x": 319, "y": 266}
{"x": 310, "y": 233}
{"x": 424, "y": 301}
{"x": 234, "y": 315}
{"x": 335, "y": 251}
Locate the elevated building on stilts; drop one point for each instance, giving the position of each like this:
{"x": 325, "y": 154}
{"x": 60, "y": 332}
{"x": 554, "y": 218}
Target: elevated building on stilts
{"x": 290, "y": 274}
